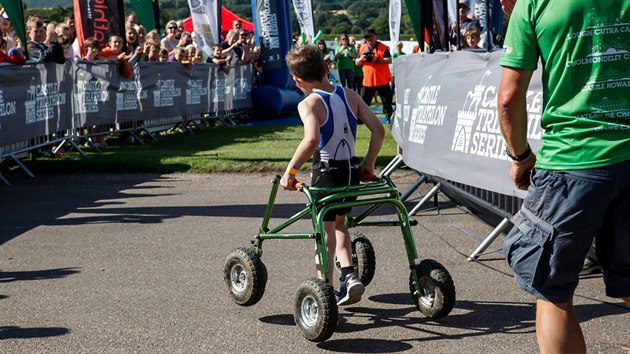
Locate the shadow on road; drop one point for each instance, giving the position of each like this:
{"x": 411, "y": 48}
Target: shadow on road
{"x": 9, "y": 332}
{"x": 6, "y": 277}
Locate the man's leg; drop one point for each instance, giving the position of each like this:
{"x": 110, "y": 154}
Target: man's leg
{"x": 386, "y": 97}
{"x": 367, "y": 94}
{"x": 558, "y": 329}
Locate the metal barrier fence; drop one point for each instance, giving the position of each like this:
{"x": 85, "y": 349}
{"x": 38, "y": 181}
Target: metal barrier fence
{"x": 44, "y": 105}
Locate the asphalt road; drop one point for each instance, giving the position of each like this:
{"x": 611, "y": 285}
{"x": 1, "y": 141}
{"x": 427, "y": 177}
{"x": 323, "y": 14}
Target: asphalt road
{"x": 133, "y": 263}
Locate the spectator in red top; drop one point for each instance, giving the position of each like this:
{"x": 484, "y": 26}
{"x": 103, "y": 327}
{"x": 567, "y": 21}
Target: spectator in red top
{"x": 5, "y": 58}
{"x": 375, "y": 58}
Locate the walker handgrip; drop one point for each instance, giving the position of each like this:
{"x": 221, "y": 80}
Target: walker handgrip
{"x": 297, "y": 184}
{"x": 370, "y": 178}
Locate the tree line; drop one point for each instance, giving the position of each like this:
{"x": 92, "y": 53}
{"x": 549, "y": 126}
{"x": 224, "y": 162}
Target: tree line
{"x": 332, "y": 17}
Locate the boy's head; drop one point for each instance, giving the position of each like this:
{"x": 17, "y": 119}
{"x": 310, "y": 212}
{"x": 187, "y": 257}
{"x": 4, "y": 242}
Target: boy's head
{"x": 163, "y": 55}
{"x": 35, "y": 30}
{"x": 91, "y": 46}
{"x": 307, "y": 63}
{"x": 472, "y": 38}
{"x": 181, "y": 55}
{"x": 217, "y": 51}
{"x": 115, "y": 43}
{"x": 153, "y": 52}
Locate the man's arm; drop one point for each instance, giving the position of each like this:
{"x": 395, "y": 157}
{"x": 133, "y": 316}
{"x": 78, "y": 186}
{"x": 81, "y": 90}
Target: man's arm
{"x": 513, "y": 121}
{"x": 308, "y": 113}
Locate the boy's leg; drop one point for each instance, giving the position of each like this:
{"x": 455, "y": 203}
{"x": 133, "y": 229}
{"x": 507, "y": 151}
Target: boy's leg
{"x": 331, "y": 245}
{"x": 344, "y": 245}
{"x": 350, "y": 286}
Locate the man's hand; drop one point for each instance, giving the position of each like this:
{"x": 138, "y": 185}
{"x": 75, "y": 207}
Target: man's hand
{"x": 508, "y": 6}
{"x": 521, "y": 170}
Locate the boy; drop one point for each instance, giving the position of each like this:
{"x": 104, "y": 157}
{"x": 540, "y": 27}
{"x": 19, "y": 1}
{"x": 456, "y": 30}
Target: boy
{"x": 37, "y": 50}
{"x": 329, "y": 114}
{"x": 217, "y": 58}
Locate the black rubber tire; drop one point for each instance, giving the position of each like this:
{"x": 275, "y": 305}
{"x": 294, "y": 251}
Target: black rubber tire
{"x": 439, "y": 295}
{"x": 363, "y": 258}
{"x": 244, "y": 276}
{"x": 315, "y": 310}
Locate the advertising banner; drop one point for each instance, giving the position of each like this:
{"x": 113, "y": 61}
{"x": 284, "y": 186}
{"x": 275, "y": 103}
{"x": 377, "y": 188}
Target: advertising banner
{"x": 205, "y": 20}
{"x": 98, "y": 19}
{"x": 446, "y": 118}
{"x": 304, "y": 14}
{"x": 34, "y": 99}
{"x": 395, "y": 13}
{"x": 147, "y": 12}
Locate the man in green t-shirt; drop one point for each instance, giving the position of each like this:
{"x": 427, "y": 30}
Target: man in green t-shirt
{"x": 578, "y": 185}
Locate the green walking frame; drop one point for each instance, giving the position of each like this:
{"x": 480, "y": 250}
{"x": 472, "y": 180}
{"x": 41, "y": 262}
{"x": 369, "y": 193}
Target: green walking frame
{"x": 315, "y": 308}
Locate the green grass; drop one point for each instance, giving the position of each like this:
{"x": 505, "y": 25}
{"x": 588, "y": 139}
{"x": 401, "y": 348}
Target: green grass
{"x": 215, "y": 149}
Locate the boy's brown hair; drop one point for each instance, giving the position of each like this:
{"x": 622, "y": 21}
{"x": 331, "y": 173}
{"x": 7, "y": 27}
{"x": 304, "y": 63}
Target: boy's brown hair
{"x": 91, "y": 42}
{"x": 473, "y": 32}
{"x": 307, "y": 63}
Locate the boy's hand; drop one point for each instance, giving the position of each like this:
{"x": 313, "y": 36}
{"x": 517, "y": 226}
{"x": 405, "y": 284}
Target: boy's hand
{"x": 288, "y": 182}
{"x": 366, "y": 173}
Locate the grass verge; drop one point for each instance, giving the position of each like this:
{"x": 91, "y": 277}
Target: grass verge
{"x": 211, "y": 150}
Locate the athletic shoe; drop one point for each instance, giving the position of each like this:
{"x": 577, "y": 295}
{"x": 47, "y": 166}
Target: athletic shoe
{"x": 350, "y": 290}
{"x": 590, "y": 267}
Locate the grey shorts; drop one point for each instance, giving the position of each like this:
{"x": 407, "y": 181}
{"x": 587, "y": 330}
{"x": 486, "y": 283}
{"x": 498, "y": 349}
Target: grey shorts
{"x": 561, "y": 215}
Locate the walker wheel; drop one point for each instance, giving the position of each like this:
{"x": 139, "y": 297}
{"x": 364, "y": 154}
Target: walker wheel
{"x": 244, "y": 276}
{"x": 363, "y": 258}
{"x": 315, "y": 310}
{"x": 437, "y": 297}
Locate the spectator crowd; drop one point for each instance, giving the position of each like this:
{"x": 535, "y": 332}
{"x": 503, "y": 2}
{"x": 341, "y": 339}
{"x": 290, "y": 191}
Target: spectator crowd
{"x": 49, "y": 41}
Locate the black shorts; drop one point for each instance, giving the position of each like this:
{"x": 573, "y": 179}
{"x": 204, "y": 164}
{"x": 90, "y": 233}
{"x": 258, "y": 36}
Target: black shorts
{"x": 335, "y": 174}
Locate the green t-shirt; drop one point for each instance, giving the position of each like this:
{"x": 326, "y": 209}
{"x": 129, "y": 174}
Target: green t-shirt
{"x": 584, "y": 48}
{"x": 396, "y": 55}
{"x": 344, "y": 61}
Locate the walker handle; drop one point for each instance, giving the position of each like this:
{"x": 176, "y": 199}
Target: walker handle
{"x": 297, "y": 184}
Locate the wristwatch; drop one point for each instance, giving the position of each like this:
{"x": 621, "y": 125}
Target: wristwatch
{"x": 520, "y": 157}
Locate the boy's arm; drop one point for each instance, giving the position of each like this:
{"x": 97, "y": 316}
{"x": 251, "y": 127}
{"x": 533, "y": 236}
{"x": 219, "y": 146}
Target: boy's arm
{"x": 309, "y": 143}
{"x": 377, "y": 131}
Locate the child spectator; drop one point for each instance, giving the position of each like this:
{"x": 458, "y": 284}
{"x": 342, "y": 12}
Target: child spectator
{"x": 37, "y": 50}
{"x": 332, "y": 108}
{"x": 181, "y": 55}
{"x": 256, "y": 67}
{"x": 153, "y": 37}
{"x": 66, "y": 44}
{"x": 13, "y": 57}
{"x": 218, "y": 59}
{"x": 153, "y": 53}
{"x": 142, "y": 34}
{"x": 114, "y": 50}
{"x": 163, "y": 57}
{"x": 472, "y": 38}
{"x": 92, "y": 48}
{"x": 7, "y": 31}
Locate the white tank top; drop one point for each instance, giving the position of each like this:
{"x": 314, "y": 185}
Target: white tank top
{"x": 339, "y": 130}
